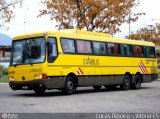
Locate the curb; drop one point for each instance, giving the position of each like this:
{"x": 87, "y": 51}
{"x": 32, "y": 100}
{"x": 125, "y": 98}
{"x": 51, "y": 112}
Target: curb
{"x": 3, "y": 83}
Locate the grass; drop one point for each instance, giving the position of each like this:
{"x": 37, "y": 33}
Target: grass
{"x": 159, "y": 75}
{"x": 4, "y": 79}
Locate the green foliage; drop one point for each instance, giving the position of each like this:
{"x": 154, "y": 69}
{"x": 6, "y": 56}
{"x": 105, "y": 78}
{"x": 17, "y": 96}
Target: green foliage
{"x": 1, "y": 75}
{"x": 4, "y": 79}
{"x": 3, "y": 70}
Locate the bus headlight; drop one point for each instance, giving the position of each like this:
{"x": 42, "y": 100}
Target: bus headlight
{"x": 38, "y": 76}
{"x": 11, "y": 79}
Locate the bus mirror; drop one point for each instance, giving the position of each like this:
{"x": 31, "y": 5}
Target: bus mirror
{"x": 35, "y": 52}
{"x": 50, "y": 48}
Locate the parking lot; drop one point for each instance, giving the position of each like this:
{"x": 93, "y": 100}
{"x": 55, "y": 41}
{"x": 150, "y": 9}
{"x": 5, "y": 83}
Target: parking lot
{"x": 85, "y": 100}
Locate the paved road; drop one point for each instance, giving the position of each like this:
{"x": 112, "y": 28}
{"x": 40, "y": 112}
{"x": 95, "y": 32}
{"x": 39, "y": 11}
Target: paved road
{"x": 85, "y": 100}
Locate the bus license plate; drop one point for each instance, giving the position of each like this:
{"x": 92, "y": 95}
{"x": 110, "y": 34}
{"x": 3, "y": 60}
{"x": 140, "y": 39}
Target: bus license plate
{"x": 25, "y": 87}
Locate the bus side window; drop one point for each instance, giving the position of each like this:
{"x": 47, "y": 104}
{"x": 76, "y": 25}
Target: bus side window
{"x": 80, "y": 46}
{"x": 52, "y": 49}
{"x": 123, "y": 50}
{"x": 150, "y": 52}
{"x": 135, "y": 51}
{"x": 68, "y": 45}
{"x": 110, "y": 48}
{"x": 117, "y": 49}
{"x": 126, "y": 50}
{"x": 84, "y": 47}
{"x": 88, "y": 46}
{"x": 99, "y": 48}
{"x": 129, "y": 50}
{"x": 140, "y": 51}
{"x": 144, "y": 51}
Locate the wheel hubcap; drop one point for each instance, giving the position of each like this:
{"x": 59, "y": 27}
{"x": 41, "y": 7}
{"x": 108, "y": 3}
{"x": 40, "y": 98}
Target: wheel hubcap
{"x": 126, "y": 83}
{"x": 70, "y": 85}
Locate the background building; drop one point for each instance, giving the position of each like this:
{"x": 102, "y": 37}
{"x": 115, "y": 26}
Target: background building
{"x": 5, "y": 49}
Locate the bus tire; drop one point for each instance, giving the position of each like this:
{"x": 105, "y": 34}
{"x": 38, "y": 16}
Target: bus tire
{"x": 126, "y": 83}
{"x": 137, "y": 82}
{"x": 69, "y": 86}
{"x": 97, "y": 87}
{"x": 40, "y": 91}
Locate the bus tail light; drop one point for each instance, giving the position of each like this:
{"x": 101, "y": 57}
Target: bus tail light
{"x": 44, "y": 76}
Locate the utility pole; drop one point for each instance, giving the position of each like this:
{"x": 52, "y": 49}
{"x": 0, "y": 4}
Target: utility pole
{"x": 129, "y": 21}
{"x": 129, "y": 24}
{"x": 24, "y": 16}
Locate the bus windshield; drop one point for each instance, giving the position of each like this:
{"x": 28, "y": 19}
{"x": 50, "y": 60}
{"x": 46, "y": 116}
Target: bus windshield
{"x": 28, "y": 51}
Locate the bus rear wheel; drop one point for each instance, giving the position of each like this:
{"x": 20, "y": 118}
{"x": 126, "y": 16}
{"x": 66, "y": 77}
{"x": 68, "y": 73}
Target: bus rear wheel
{"x": 137, "y": 82}
{"x": 40, "y": 91}
{"x": 126, "y": 83}
{"x": 69, "y": 86}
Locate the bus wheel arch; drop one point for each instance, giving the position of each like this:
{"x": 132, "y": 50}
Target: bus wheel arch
{"x": 74, "y": 77}
{"x": 70, "y": 84}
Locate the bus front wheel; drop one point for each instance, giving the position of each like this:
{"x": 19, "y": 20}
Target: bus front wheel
{"x": 69, "y": 86}
{"x": 126, "y": 83}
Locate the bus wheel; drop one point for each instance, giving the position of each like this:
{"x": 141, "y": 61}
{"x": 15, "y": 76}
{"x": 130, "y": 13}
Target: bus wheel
{"x": 69, "y": 86}
{"x": 97, "y": 87}
{"x": 137, "y": 82}
{"x": 126, "y": 83}
{"x": 39, "y": 91}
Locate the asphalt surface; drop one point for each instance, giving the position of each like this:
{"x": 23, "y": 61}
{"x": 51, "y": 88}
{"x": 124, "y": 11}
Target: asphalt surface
{"x": 85, "y": 100}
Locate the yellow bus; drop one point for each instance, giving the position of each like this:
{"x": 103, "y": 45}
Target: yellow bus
{"x": 68, "y": 59}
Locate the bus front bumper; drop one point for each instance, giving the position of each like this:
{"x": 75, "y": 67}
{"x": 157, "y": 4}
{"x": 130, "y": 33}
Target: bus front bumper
{"x": 53, "y": 83}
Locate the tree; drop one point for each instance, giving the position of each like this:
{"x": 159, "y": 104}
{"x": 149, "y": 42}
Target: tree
{"x": 6, "y": 10}
{"x": 92, "y": 15}
{"x": 147, "y": 34}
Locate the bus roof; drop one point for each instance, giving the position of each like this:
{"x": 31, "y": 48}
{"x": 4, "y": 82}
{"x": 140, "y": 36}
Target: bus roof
{"x": 87, "y": 35}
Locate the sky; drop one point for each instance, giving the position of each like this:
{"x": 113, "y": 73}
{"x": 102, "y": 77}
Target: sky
{"x": 26, "y": 20}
